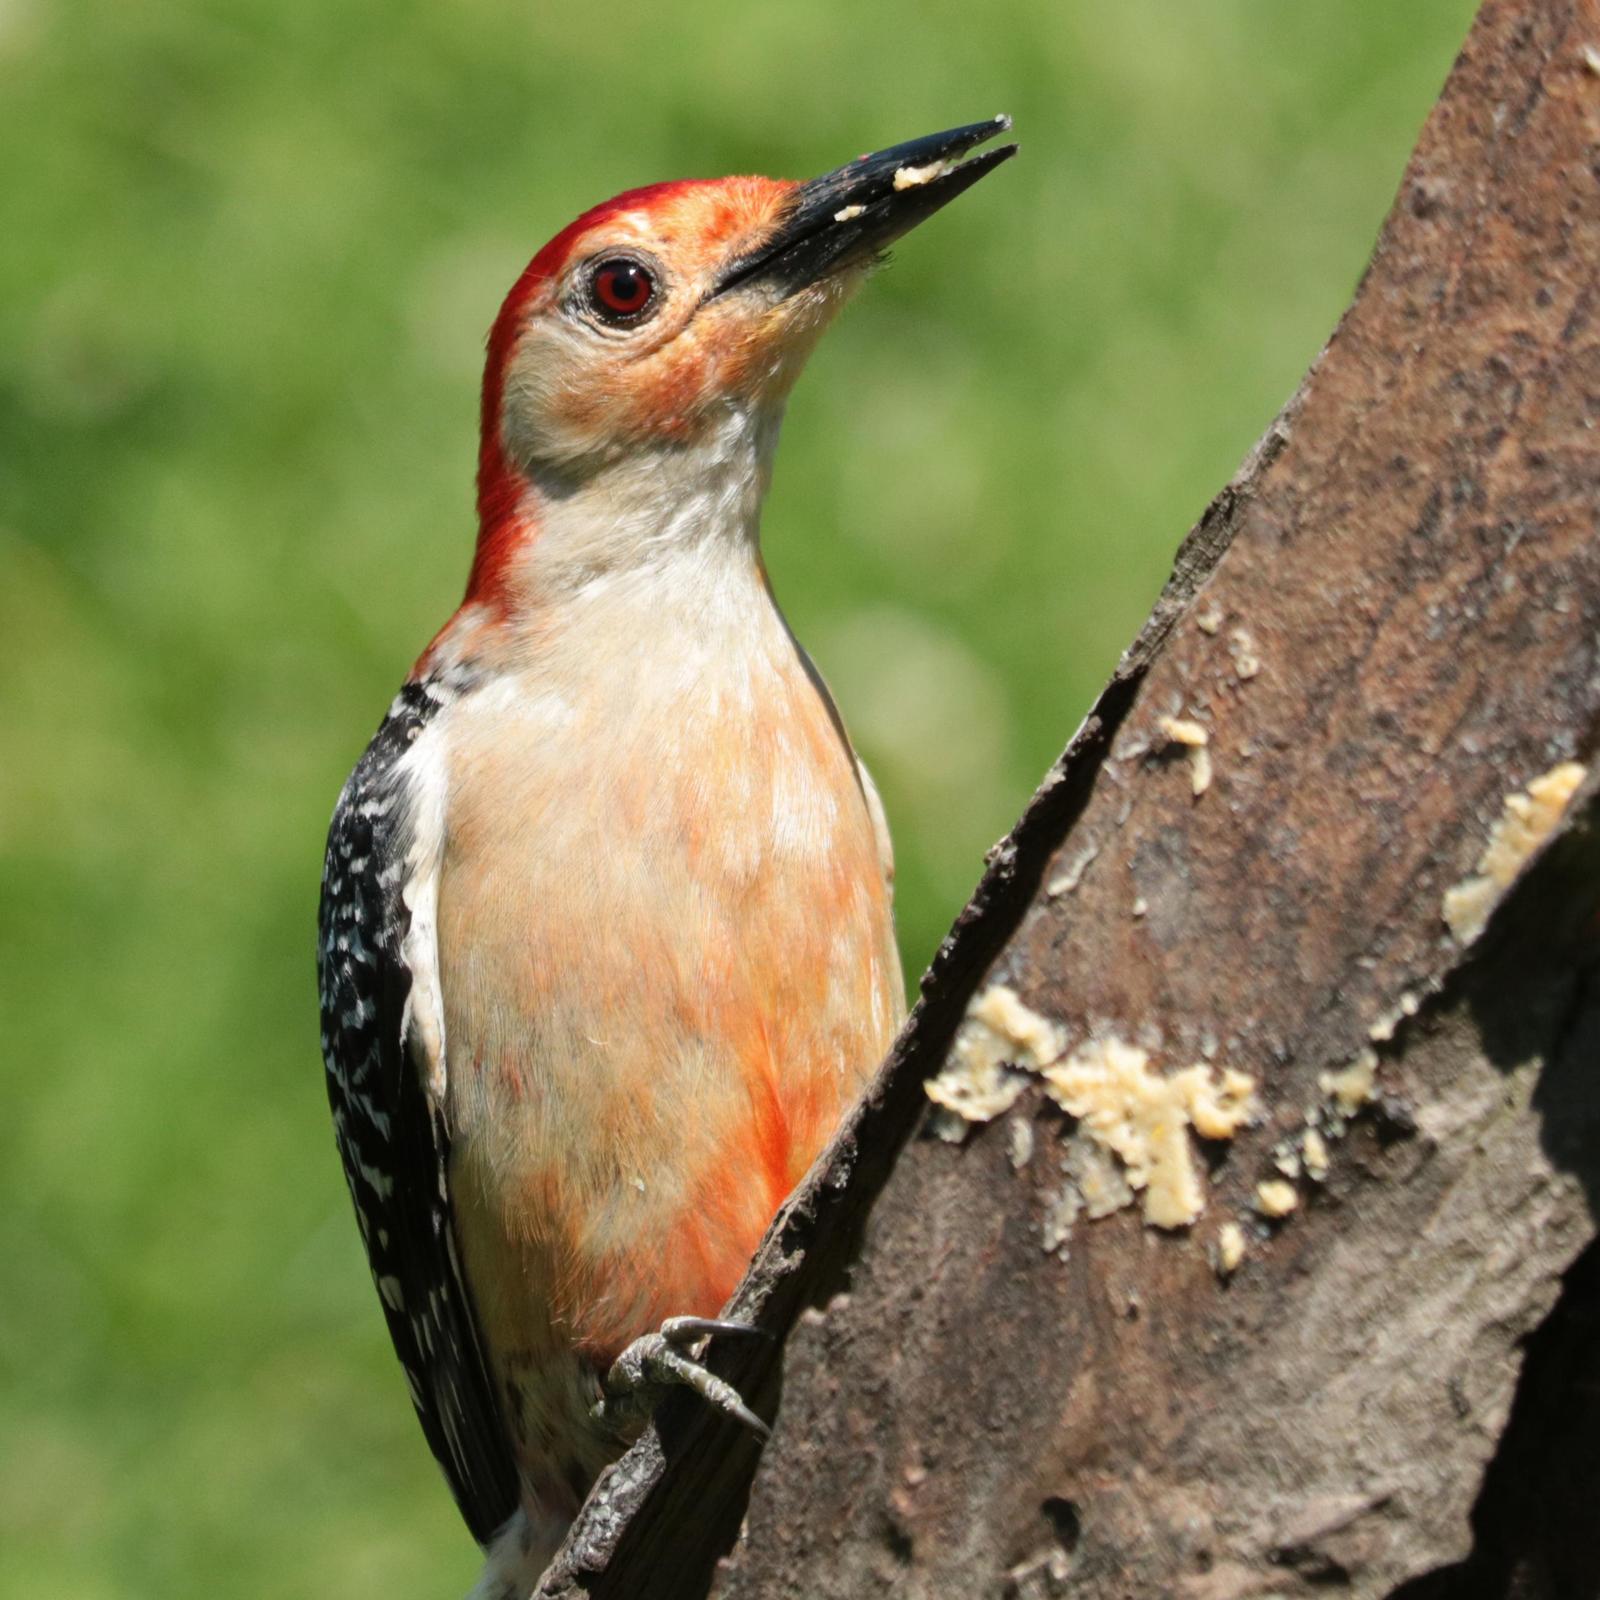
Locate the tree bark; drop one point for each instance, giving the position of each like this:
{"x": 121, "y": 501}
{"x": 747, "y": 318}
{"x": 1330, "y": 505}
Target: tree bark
{"x": 1144, "y": 1330}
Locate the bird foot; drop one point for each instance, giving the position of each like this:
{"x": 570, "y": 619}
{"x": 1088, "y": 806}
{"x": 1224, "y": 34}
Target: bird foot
{"x": 641, "y": 1376}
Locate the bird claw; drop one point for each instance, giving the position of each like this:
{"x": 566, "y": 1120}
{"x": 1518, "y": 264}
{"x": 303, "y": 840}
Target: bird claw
{"x": 641, "y": 1376}
{"x": 686, "y": 1330}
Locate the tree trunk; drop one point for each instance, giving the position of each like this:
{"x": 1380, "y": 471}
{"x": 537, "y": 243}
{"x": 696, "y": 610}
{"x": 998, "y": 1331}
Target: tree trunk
{"x": 1249, "y": 1247}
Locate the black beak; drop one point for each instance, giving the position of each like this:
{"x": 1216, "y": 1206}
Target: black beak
{"x": 853, "y": 213}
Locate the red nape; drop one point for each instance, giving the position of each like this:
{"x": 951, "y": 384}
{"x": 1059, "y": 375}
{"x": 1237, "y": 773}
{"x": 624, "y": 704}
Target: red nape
{"x": 502, "y": 521}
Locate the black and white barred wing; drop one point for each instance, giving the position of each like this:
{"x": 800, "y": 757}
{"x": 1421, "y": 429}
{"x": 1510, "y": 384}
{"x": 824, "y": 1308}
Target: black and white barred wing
{"x": 382, "y": 1044}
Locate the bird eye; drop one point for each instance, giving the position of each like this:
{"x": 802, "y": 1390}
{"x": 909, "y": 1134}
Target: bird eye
{"x": 621, "y": 289}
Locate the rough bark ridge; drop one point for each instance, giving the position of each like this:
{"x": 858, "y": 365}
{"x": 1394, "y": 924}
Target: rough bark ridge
{"x": 1385, "y": 627}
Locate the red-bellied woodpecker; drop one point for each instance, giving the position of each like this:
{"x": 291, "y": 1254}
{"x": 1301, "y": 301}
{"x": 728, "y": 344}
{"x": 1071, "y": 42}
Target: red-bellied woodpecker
{"x": 606, "y": 945}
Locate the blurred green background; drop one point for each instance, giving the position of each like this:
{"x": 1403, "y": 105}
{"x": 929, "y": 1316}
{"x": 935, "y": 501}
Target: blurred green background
{"x": 250, "y": 251}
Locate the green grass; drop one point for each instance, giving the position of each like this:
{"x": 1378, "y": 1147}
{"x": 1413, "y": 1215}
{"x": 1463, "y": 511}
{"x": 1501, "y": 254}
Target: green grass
{"x": 251, "y": 249}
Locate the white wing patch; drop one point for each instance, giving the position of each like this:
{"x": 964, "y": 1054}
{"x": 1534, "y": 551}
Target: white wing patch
{"x": 424, "y": 771}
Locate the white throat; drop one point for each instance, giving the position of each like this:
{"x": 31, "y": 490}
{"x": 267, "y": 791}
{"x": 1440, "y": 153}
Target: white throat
{"x": 647, "y": 569}
{"x": 651, "y": 509}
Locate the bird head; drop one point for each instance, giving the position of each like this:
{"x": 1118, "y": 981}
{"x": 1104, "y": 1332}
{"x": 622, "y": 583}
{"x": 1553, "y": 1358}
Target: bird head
{"x": 654, "y": 321}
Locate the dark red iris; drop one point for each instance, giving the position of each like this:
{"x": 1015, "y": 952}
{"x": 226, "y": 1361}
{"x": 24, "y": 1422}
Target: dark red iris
{"x": 621, "y": 288}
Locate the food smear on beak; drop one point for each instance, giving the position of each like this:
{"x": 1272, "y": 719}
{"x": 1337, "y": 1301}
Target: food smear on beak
{"x": 915, "y": 177}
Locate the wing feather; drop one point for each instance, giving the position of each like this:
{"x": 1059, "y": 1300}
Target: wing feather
{"x": 382, "y": 1042}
